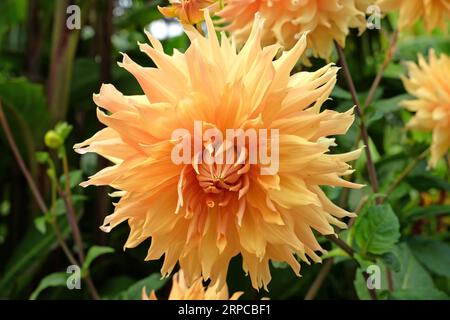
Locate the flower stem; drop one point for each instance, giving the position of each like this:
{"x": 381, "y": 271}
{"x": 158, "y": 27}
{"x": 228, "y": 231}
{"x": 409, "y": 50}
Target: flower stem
{"x": 364, "y": 135}
{"x": 405, "y": 173}
{"x": 371, "y": 169}
{"x": 38, "y": 197}
{"x": 318, "y": 281}
{"x": 376, "y": 82}
{"x": 66, "y": 195}
{"x": 387, "y": 59}
{"x": 344, "y": 246}
{"x": 62, "y": 243}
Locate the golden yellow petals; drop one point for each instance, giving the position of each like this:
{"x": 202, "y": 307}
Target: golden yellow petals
{"x": 200, "y": 215}
{"x": 429, "y": 82}
{"x": 189, "y": 11}
{"x": 182, "y": 291}
{"x": 287, "y": 20}
{"x": 435, "y": 13}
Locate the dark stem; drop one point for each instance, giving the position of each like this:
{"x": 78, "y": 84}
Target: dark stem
{"x": 71, "y": 217}
{"x": 33, "y": 186}
{"x": 405, "y": 173}
{"x": 40, "y": 201}
{"x": 341, "y": 244}
{"x": 344, "y": 246}
{"x": 364, "y": 135}
{"x": 372, "y": 292}
{"x": 62, "y": 243}
{"x": 318, "y": 281}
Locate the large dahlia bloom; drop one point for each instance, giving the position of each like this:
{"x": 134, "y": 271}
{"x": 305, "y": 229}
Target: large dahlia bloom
{"x": 182, "y": 291}
{"x": 435, "y": 12}
{"x": 188, "y": 11}
{"x": 430, "y": 84}
{"x": 286, "y": 20}
{"x": 203, "y": 214}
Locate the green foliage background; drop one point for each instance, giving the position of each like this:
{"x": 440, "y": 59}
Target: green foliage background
{"x": 409, "y": 234}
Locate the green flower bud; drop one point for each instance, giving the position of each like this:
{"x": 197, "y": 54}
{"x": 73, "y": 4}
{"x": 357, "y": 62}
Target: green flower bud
{"x": 53, "y": 140}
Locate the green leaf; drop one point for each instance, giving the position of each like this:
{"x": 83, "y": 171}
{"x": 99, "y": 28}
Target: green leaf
{"x": 27, "y": 257}
{"x": 391, "y": 261}
{"x": 42, "y": 157}
{"x": 93, "y": 253}
{"x": 409, "y": 48}
{"x": 27, "y": 100}
{"x": 391, "y": 104}
{"x": 426, "y": 212}
{"x": 433, "y": 254}
{"x": 63, "y": 129}
{"x": 153, "y": 282}
{"x": 77, "y": 200}
{"x": 52, "y": 280}
{"x": 377, "y": 230}
{"x": 41, "y": 224}
{"x": 419, "y": 294}
{"x": 425, "y": 182}
{"x": 75, "y": 178}
{"x": 410, "y": 277}
{"x": 115, "y": 285}
{"x": 13, "y": 11}
{"x": 380, "y": 108}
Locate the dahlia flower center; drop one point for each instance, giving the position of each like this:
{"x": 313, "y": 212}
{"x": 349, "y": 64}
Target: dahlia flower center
{"x": 223, "y": 177}
{"x": 217, "y": 178}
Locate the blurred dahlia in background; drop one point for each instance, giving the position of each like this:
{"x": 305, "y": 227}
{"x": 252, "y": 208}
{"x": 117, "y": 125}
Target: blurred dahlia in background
{"x": 286, "y": 20}
{"x": 435, "y": 13}
{"x": 429, "y": 83}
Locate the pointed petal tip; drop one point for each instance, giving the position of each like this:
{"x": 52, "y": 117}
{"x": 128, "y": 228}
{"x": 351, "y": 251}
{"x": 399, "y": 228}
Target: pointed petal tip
{"x": 106, "y": 229}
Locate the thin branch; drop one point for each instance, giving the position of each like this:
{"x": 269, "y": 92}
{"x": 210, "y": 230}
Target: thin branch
{"x": 318, "y": 281}
{"x": 34, "y": 189}
{"x": 70, "y": 210}
{"x": 37, "y": 195}
{"x": 344, "y": 246}
{"x": 390, "y": 281}
{"x": 62, "y": 243}
{"x": 371, "y": 169}
{"x": 364, "y": 135}
{"x": 387, "y": 59}
{"x": 341, "y": 244}
{"x": 405, "y": 173}
{"x": 76, "y": 234}
{"x": 376, "y": 82}
{"x": 372, "y": 292}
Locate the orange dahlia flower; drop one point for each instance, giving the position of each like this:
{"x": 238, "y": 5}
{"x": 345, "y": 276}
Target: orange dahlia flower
{"x": 435, "y": 12}
{"x": 188, "y": 11}
{"x": 430, "y": 84}
{"x": 182, "y": 291}
{"x": 286, "y": 20}
{"x": 203, "y": 214}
